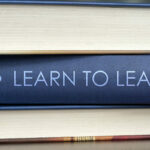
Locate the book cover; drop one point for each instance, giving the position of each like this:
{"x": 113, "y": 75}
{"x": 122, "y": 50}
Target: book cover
{"x": 55, "y": 107}
{"x": 75, "y": 139}
{"x": 123, "y": 3}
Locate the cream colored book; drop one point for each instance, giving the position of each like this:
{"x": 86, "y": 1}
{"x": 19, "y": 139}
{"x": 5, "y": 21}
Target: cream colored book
{"x": 39, "y": 29}
{"x": 34, "y": 124}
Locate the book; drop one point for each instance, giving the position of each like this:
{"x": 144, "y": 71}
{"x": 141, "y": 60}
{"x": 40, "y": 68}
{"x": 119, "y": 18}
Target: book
{"x": 75, "y": 139}
{"x": 34, "y": 29}
{"x": 124, "y": 3}
{"x": 57, "y": 81}
{"x": 74, "y": 125}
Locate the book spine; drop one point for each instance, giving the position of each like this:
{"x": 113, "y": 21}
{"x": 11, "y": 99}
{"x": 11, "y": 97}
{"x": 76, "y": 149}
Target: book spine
{"x": 74, "y": 80}
{"x": 75, "y": 139}
{"x": 55, "y": 107}
{"x": 78, "y": 2}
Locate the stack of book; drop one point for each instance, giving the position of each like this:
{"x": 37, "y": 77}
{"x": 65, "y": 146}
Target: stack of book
{"x": 74, "y": 71}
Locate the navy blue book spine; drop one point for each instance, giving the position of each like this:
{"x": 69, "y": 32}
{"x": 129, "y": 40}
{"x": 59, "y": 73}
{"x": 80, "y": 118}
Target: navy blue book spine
{"x": 55, "y": 107}
{"x": 110, "y": 3}
{"x": 74, "y": 80}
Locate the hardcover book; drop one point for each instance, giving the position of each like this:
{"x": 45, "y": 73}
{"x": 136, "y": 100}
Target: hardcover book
{"x": 86, "y": 125}
{"x": 34, "y": 29}
{"x": 74, "y": 80}
{"x": 131, "y": 3}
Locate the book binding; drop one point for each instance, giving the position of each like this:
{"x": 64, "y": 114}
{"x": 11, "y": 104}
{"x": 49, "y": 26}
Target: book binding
{"x": 80, "y": 2}
{"x": 75, "y": 139}
{"x": 63, "y": 81}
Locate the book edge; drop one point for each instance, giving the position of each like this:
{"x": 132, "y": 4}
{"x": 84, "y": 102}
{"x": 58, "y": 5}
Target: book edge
{"x": 47, "y": 107}
{"x": 36, "y": 52}
{"x": 74, "y": 139}
{"x": 86, "y": 3}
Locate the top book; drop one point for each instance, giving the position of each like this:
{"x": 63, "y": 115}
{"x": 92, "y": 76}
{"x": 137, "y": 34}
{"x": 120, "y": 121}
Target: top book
{"x": 70, "y": 29}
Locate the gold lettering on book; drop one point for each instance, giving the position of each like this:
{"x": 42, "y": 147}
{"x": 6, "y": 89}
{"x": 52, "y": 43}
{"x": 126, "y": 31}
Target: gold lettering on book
{"x": 84, "y": 138}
